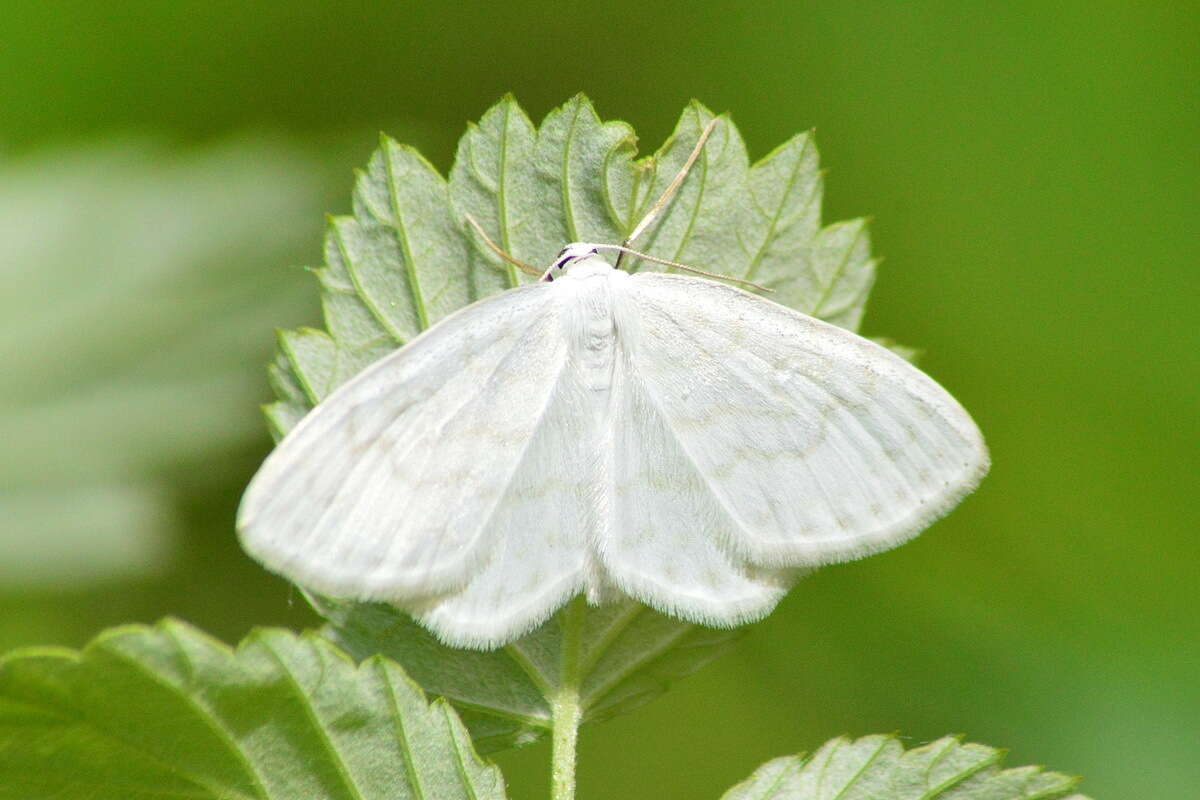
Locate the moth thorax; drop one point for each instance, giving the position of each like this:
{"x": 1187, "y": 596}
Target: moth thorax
{"x": 590, "y": 328}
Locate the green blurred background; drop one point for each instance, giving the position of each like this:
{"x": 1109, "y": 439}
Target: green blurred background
{"x": 1032, "y": 172}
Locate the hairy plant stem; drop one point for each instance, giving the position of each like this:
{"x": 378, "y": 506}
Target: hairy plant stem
{"x": 565, "y": 705}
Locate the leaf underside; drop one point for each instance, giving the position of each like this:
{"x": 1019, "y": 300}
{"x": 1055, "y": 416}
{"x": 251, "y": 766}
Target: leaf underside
{"x": 629, "y": 656}
{"x": 169, "y": 712}
{"x": 879, "y": 768}
{"x": 406, "y": 258}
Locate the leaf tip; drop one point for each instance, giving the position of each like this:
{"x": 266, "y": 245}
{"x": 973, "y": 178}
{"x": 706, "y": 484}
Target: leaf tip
{"x": 578, "y": 102}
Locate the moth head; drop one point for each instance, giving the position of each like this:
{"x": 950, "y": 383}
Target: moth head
{"x": 576, "y": 251}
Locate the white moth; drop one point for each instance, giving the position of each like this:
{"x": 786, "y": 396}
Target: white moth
{"x": 664, "y": 437}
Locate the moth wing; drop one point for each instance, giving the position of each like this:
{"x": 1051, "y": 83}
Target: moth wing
{"x": 751, "y": 439}
{"x": 417, "y": 481}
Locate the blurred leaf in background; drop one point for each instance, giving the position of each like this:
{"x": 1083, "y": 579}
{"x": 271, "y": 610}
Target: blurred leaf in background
{"x": 137, "y": 286}
{"x": 141, "y": 286}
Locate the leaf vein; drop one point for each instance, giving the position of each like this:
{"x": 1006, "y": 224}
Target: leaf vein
{"x": 862, "y": 770}
{"x": 837, "y": 274}
{"x": 202, "y": 713}
{"x": 459, "y": 758}
{"x": 647, "y": 656}
{"x": 310, "y": 713}
{"x": 775, "y": 217}
{"x": 363, "y": 295}
{"x": 401, "y": 232}
{"x": 410, "y": 770}
{"x": 565, "y": 176}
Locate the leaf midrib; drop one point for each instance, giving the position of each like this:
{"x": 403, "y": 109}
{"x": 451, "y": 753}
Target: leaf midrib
{"x": 861, "y": 770}
{"x": 565, "y": 175}
{"x": 399, "y": 722}
{"x": 837, "y": 273}
{"x": 401, "y": 233}
{"x": 778, "y": 213}
{"x": 510, "y": 271}
{"x": 311, "y": 715}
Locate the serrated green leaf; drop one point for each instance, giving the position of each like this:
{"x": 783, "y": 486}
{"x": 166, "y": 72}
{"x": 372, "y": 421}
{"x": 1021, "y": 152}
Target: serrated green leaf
{"x": 879, "y": 768}
{"x": 575, "y": 177}
{"x": 408, "y": 261}
{"x": 839, "y": 275}
{"x": 492, "y": 182}
{"x": 406, "y": 257}
{"x": 313, "y": 358}
{"x": 574, "y": 150}
{"x": 629, "y": 654}
{"x": 783, "y": 215}
{"x": 700, "y": 226}
{"x": 167, "y": 711}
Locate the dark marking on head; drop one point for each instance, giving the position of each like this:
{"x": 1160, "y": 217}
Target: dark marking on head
{"x": 572, "y": 253}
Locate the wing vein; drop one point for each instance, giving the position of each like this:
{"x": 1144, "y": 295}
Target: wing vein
{"x": 508, "y": 479}
{"x": 705, "y": 477}
{"x": 853, "y": 431}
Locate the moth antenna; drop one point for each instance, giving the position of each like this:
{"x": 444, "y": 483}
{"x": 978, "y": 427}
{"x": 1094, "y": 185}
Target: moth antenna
{"x": 495, "y": 248}
{"x": 672, "y": 187}
{"x": 684, "y": 267}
